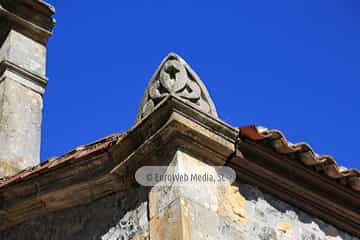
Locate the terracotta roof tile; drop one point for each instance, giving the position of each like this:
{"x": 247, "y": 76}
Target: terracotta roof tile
{"x": 304, "y": 153}
{"x": 77, "y": 153}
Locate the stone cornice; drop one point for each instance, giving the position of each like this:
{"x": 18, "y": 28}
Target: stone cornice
{"x": 28, "y": 79}
{"x": 173, "y": 125}
{"x": 32, "y": 18}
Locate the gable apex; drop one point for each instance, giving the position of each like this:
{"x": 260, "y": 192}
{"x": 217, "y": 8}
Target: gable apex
{"x": 175, "y": 77}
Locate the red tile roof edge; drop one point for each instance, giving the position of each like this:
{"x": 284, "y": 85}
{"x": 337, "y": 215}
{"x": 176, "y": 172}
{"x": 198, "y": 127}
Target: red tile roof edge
{"x": 304, "y": 153}
{"x": 77, "y": 153}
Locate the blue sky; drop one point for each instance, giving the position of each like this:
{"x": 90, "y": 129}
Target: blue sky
{"x": 288, "y": 65}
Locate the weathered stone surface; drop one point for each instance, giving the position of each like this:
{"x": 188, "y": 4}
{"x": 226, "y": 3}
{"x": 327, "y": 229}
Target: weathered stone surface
{"x": 271, "y": 218}
{"x": 232, "y": 203}
{"x": 24, "y": 52}
{"x": 202, "y": 212}
{"x": 187, "y": 220}
{"x": 133, "y": 224}
{"x": 20, "y": 127}
{"x": 175, "y": 77}
{"x": 95, "y": 174}
{"x": 182, "y": 163}
{"x": 224, "y": 211}
{"x": 196, "y": 211}
{"x": 24, "y": 29}
{"x": 32, "y": 18}
{"x": 267, "y": 218}
{"x": 122, "y": 216}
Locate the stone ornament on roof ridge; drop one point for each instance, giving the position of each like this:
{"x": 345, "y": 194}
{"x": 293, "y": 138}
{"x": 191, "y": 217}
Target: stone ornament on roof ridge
{"x": 175, "y": 77}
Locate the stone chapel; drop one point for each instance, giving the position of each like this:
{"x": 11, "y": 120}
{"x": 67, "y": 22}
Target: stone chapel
{"x": 280, "y": 191}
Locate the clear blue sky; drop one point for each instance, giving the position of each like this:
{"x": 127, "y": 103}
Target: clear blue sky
{"x": 288, "y": 65}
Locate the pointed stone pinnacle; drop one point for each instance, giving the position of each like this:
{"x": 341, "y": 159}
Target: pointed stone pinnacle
{"x": 175, "y": 77}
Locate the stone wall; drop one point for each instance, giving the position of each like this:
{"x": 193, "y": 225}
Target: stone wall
{"x": 124, "y": 216}
{"x": 20, "y": 127}
{"x": 22, "y": 84}
{"x": 120, "y": 216}
{"x": 270, "y": 218}
{"x": 208, "y": 211}
{"x": 24, "y": 52}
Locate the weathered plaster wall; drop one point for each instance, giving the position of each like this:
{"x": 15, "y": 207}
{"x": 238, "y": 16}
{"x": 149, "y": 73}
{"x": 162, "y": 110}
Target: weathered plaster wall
{"x": 207, "y": 211}
{"x": 247, "y": 214}
{"x": 121, "y": 216}
{"x": 244, "y": 213}
{"x": 270, "y": 218}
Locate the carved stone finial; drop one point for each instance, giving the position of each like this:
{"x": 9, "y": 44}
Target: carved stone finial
{"x": 175, "y": 77}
